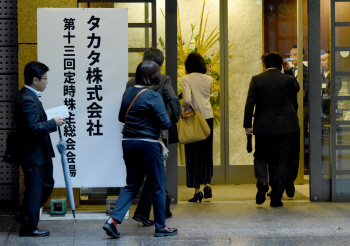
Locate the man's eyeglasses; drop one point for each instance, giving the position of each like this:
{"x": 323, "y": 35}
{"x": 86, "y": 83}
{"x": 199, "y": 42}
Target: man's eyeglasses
{"x": 44, "y": 78}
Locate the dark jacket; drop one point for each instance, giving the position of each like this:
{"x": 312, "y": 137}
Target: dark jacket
{"x": 305, "y": 82}
{"x": 33, "y": 128}
{"x": 273, "y": 95}
{"x": 171, "y": 101}
{"x": 147, "y": 115}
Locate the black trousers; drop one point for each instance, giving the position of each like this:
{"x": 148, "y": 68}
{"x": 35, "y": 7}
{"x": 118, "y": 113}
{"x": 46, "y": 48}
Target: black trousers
{"x": 142, "y": 158}
{"x": 294, "y": 157}
{"x": 39, "y": 183}
{"x": 145, "y": 204}
{"x": 272, "y": 155}
{"x": 199, "y": 160}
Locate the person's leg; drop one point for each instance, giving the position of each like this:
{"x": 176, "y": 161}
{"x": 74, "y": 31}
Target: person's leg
{"x": 144, "y": 206}
{"x": 191, "y": 154}
{"x": 280, "y": 165}
{"x": 207, "y": 160}
{"x": 135, "y": 173}
{"x": 168, "y": 214}
{"x": 293, "y": 162}
{"x": 261, "y": 167}
{"x": 260, "y": 160}
{"x": 48, "y": 183}
{"x": 34, "y": 182}
{"x": 153, "y": 159}
{"x": 193, "y": 167}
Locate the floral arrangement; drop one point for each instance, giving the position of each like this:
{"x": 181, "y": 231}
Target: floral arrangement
{"x": 202, "y": 45}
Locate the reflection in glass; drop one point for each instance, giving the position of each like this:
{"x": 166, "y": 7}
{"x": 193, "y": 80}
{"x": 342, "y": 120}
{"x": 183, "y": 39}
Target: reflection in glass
{"x": 342, "y": 60}
{"x": 343, "y": 135}
{"x": 342, "y": 184}
{"x": 343, "y": 157}
{"x": 342, "y": 11}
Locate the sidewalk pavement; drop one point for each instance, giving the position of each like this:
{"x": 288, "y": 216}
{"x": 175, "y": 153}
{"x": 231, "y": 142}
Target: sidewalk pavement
{"x": 207, "y": 223}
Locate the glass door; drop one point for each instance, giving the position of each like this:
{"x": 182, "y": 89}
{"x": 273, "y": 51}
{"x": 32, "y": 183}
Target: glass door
{"x": 340, "y": 95}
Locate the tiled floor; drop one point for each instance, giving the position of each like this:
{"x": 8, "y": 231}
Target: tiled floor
{"x": 241, "y": 222}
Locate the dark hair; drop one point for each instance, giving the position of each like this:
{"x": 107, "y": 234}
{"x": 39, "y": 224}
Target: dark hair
{"x": 154, "y": 54}
{"x": 296, "y": 46}
{"x": 34, "y": 70}
{"x": 195, "y": 63}
{"x": 272, "y": 59}
{"x": 147, "y": 73}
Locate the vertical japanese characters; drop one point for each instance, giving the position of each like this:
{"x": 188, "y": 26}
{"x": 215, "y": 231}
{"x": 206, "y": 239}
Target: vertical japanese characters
{"x": 94, "y": 80}
{"x": 93, "y": 85}
{"x": 69, "y": 91}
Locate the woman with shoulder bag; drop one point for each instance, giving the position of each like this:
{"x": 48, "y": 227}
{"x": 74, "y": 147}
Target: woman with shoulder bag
{"x": 144, "y": 115}
{"x": 197, "y": 88}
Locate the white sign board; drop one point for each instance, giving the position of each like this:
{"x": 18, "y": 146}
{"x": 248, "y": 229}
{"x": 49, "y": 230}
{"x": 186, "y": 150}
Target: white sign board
{"x": 86, "y": 51}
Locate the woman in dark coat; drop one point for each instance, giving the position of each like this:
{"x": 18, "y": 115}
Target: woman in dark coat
{"x": 142, "y": 151}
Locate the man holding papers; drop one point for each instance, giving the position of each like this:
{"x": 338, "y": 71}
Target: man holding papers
{"x": 34, "y": 148}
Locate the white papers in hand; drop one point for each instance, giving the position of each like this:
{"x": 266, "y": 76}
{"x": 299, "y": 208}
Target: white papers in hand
{"x": 61, "y": 111}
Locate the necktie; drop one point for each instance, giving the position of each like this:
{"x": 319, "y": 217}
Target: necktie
{"x": 296, "y": 71}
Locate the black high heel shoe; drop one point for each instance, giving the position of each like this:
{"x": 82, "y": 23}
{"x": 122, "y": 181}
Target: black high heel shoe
{"x": 207, "y": 192}
{"x": 197, "y": 197}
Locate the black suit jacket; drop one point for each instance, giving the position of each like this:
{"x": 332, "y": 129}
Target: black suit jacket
{"x": 326, "y": 89}
{"x": 273, "y": 95}
{"x": 33, "y": 128}
{"x": 305, "y": 83}
{"x": 171, "y": 101}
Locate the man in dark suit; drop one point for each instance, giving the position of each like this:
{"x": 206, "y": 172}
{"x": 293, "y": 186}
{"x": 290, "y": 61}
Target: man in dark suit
{"x": 293, "y": 164}
{"x": 273, "y": 96}
{"x": 34, "y": 148}
{"x": 173, "y": 106}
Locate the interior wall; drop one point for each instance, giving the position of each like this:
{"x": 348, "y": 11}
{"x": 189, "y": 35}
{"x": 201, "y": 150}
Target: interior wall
{"x": 245, "y": 31}
{"x": 280, "y": 26}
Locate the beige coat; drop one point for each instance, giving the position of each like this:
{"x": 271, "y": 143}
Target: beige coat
{"x": 197, "y": 89}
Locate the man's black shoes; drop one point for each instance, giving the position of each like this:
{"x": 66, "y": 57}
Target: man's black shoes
{"x": 33, "y": 233}
{"x": 162, "y": 232}
{"x": 276, "y": 203}
{"x": 20, "y": 218}
{"x": 261, "y": 194}
{"x": 143, "y": 220}
{"x": 110, "y": 229}
{"x": 168, "y": 215}
{"x": 290, "y": 190}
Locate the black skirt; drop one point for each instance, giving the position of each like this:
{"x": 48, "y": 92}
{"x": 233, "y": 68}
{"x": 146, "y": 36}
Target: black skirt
{"x": 199, "y": 160}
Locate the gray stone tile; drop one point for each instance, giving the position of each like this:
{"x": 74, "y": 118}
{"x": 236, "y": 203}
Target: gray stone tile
{"x": 167, "y": 242}
{"x": 6, "y": 221}
{"x": 243, "y": 242}
{"x": 37, "y": 243}
{"x": 344, "y": 239}
{"x": 246, "y": 223}
{"x": 108, "y": 243}
{"x": 3, "y": 237}
{"x": 309, "y": 241}
{"x": 40, "y": 241}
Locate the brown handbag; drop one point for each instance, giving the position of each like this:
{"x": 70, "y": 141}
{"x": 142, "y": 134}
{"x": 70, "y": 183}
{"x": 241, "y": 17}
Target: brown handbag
{"x": 192, "y": 127}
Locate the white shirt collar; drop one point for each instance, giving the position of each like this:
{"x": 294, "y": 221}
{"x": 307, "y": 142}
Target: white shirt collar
{"x": 326, "y": 73}
{"x": 33, "y": 90}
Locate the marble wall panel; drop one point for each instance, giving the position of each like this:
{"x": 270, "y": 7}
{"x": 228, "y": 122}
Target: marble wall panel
{"x": 246, "y": 32}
